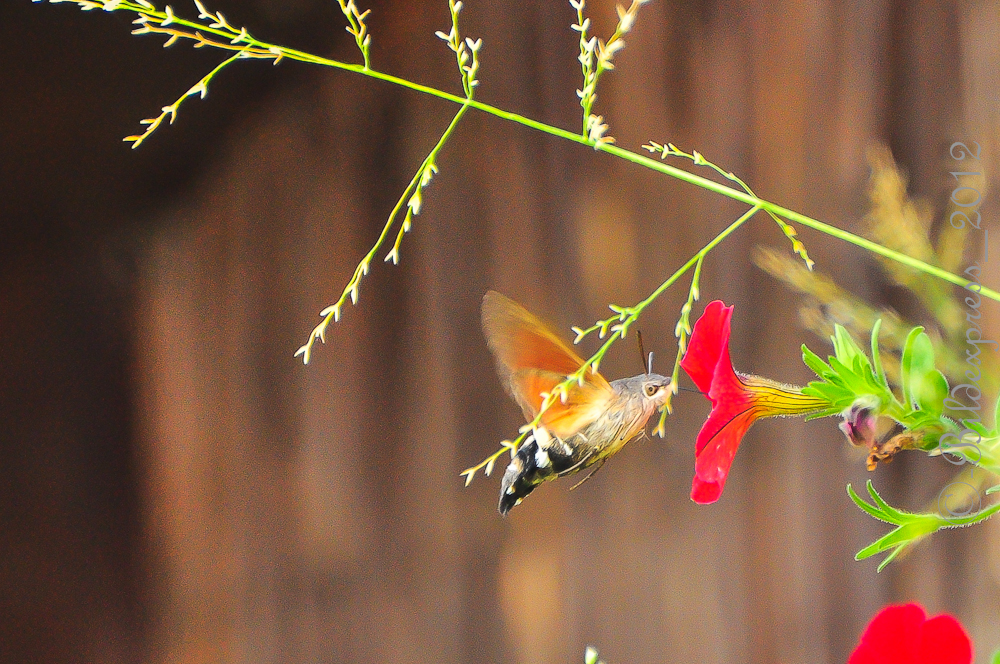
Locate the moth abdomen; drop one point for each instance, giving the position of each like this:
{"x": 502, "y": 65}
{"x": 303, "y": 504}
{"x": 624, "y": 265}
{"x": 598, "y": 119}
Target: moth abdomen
{"x": 531, "y": 465}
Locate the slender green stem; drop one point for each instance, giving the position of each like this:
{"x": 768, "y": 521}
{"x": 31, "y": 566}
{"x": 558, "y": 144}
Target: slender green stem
{"x": 244, "y": 40}
{"x": 672, "y": 171}
{"x": 332, "y": 313}
{"x": 628, "y": 315}
{"x": 152, "y": 124}
{"x": 698, "y": 256}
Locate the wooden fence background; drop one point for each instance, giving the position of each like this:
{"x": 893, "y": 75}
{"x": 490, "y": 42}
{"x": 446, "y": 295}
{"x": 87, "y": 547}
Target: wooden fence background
{"x": 180, "y": 489}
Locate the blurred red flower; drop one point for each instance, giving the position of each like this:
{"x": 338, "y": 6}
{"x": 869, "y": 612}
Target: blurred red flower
{"x": 738, "y": 400}
{"x": 903, "y": 634}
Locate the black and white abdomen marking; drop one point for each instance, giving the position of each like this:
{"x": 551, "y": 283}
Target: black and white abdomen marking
{"x": 533, "y": 464}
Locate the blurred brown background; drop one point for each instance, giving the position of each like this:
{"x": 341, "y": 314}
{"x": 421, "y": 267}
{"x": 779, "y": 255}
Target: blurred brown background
{"x": 178, "y": 488}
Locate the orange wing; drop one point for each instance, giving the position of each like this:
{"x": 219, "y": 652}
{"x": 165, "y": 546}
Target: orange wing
{"x": 532, "y": 360}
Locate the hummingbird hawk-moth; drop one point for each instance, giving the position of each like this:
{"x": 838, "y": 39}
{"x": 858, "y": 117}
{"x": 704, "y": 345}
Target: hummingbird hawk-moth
{"x": 595, "y": 420}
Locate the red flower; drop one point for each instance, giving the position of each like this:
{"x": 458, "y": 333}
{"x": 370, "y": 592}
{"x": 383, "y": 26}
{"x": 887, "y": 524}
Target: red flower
{"x": 738, "y": 400}
{"x": 903, "y": 635}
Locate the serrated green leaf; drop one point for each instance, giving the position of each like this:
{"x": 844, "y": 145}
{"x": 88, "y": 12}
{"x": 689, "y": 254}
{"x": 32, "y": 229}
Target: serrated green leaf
{"x": 832, "y": 383}
{"x": 862, "y": 369}
{"x": 860, "y": 363}
{"x": 853, "y": 381}
{"x": 840, "y": 368}
{"x": 910, "y": 527}
{"x": 926, "y": 424}
{"x": 979, "y": 428}
{"x": 836, "y": 340}
{"x": 871, "y": 379}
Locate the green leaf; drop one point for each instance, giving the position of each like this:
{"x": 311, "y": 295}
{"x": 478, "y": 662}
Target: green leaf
{"x": 981, "y": 515}
{"x": 906, "y": 363}
{"x": 896, "y": 515}
{"x": 996, "y": 416}
{"x": 918, "y": 527}
{"x": 837, "y": 341}
{"x": 843, "y": 370}
{"x": 888, "y": 559}
{"x": 844, "y": 345}
{"x": 926, "y": 386}
{"x": 934, "y": 390}
{"x": 908, "y": 533}
{"x": 870, "y": 509}
{"x": 996, "y": 658}
{"x": 867, "y": 374}
{"x": 855, "y": 377}
{"x": 979, "y": 428}
{"x": 876, "y": 359}
{"x": 839, "y": 397}
{"x": 926, "y": 426}
{"x": 813, "y": 361}
{"x": 910, "y": 528}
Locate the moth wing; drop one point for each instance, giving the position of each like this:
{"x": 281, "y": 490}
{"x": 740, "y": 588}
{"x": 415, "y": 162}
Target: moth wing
{"x": 531, "y": 361}
{"x": 583, "y": 404}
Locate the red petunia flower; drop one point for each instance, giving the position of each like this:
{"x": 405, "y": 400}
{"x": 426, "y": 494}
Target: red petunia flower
{"x": 902, "y": 634}
{"x": 738, "y": 400}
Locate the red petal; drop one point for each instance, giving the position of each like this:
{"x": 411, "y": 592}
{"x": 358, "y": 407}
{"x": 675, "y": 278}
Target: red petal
{"x": 903, "y": 635}
{"x": 717, "y": 443}
{"x": 891, "y": 637}
{"x": 706, "y": 493}
{"x": 707, "y": 362}
{"x": 944, "y": 642}
{"x": 709, "y": 340}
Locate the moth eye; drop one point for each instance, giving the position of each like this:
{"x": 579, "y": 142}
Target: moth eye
{"x": 650, "y": 390}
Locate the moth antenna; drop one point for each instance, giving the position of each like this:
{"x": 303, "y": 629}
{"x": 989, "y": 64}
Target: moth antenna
{"x": 642, "y": 351}
{"x": 649, "y": 364}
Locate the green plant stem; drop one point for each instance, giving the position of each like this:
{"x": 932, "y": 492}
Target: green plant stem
{"x": 244, "y": 40}
{"x": 632, "y": 313}
{"x": 694, "y": 260}
{"x": 332, "y": 313}
{"x": 666, "y": 169}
